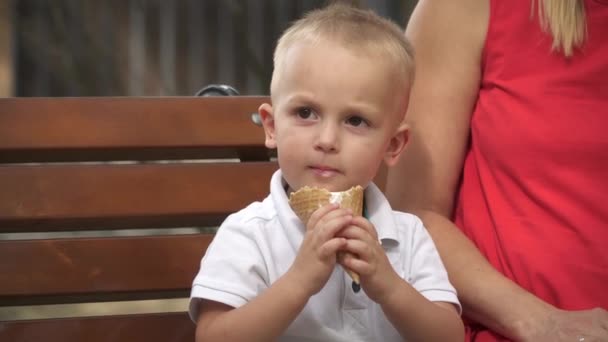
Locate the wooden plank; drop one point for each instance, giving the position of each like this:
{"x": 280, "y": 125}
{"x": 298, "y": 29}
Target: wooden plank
{"x": 104, "y": 196}
{"x": 173, "y": 327}
{"x": 115, "y": 128}
{"x": 98, "y": 269}
{"x": 7, "y": 48}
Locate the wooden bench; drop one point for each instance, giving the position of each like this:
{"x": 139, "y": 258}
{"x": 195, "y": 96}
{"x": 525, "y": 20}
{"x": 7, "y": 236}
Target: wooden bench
{"x": 104, "y": 164}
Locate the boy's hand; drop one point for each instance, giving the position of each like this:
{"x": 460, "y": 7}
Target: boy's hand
{"x": 316, "y": 258}
{"x": 377, "y": 274}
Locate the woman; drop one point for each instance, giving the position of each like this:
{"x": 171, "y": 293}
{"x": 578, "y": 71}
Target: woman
{"x": 508, "y": 114}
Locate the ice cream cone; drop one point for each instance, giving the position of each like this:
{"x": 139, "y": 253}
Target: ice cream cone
{"x": 307, "y": 200}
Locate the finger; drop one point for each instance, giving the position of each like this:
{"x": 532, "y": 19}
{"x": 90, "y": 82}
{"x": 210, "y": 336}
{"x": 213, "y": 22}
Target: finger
{"x": 364, "y": 223}
{"x": 330, "y": 248}
{"x": 356, "y": 233}
{"x": 604, "y": 321}
{"x": 319, "y": 213}
{"x": 329, "y": 226}
{"x": 355, "y": 264}
{"x": 600, "y": 317}
{"x": 360, "y": 249}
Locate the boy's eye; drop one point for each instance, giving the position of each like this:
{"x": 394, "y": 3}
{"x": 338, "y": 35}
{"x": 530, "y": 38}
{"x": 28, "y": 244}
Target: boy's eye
{"x": 356, "y": 121}
{"x": 304, "y": 113}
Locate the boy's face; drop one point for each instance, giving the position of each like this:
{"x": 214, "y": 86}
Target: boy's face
{"x": 335, "y": 117}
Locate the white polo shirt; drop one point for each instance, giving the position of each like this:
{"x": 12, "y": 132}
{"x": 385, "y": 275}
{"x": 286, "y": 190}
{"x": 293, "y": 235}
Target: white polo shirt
{"x": 257, "y": 245}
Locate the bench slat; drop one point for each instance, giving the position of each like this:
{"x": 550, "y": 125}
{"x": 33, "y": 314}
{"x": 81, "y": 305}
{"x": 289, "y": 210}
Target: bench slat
{"x": 99, "y": 269}
{"x": 103, "y": 196}
{"x": 168, "y": 327}
{"x": 68, "y": 129}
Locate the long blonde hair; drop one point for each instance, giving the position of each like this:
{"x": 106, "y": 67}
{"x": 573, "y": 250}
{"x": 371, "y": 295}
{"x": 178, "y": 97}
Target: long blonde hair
{"x": 565, "y": 20}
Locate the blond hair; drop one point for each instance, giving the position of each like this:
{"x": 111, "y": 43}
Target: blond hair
{"x": 565, "y": 20}
{"x": 353, "y": 28}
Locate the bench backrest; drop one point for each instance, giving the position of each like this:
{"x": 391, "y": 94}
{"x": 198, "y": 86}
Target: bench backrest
{"x": 118, "y": 163}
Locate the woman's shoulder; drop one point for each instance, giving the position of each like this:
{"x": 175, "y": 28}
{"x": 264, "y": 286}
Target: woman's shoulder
{"x": 467, "y": 12}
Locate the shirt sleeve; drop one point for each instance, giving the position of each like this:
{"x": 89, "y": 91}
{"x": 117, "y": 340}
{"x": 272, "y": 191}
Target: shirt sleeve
{"x": 427, "y": 272}
{"x": 232, "y": 271}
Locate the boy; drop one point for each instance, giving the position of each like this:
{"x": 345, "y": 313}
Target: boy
{"x": 339, "y": 95}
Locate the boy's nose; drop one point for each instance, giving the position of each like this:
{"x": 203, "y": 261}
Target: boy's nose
{"x": 327, "y": 138}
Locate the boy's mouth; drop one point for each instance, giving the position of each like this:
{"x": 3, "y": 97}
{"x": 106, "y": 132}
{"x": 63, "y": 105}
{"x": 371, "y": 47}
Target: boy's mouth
{"x": 324, "y": 171}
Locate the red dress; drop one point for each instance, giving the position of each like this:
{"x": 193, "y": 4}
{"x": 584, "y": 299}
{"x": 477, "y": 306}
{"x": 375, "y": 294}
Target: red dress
{"x": 534, "y": 191}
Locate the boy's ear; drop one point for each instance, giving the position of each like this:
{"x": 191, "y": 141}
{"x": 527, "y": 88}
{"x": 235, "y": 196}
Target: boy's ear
{"x": 397, "y": 144}
{"x": 267, "y": 117}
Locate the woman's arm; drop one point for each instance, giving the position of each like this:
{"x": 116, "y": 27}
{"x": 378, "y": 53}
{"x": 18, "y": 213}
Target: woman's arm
{"x": 448, "y": 38}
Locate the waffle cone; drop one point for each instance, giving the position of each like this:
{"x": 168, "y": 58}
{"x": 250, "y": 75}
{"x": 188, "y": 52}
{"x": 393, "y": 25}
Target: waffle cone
{"x": 307, "y": 200}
